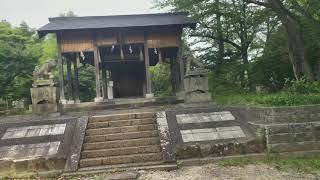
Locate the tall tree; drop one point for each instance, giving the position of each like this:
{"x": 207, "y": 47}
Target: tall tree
{"x": 19, "y": 53}
{"x": 286, "y": 12}
{"x": 227, "y": 29}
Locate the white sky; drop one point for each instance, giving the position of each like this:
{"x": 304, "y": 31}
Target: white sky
{"x": 36, "y": 12}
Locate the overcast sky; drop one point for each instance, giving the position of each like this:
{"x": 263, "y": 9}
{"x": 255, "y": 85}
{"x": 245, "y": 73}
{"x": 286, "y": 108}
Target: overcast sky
{"x": 36, "y": 12}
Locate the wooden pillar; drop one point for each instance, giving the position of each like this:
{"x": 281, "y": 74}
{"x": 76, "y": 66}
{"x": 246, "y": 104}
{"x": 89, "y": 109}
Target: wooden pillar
{"x": 173, "y": 69}
{"x": 146, "y": 62}
{"x": 61, "y": 73}
{"x": 76, "y": 78}
{"x": 69, "y": 82}
{"x": 98, "y": 78}
{"x": 104, "y": 83}
{"x": 160, "y": 56}
{"x": 181, "y": 63}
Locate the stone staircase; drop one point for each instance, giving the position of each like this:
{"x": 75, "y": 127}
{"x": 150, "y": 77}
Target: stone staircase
{"x": 121, "y": 139}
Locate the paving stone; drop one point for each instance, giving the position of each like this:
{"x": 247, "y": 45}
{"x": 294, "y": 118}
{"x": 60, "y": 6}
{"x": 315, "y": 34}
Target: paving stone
{"x": 33, "y": 131}
{"x": 229, "y": 128}
{"x": 210, "y": 134}
{"x": 187, "y": 137}
{"x": 231, "y": 134}
{"x": 28, "y": 151}
{"x": 206, "y": 136}
{"x": 186, "y": 131}
{"x": 204, "y": 117}
{"x": 208, "y": 130}
{"x": 227, "y": 117}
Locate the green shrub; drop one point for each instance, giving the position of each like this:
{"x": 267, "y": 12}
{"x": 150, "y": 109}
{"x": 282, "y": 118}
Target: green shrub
{"x": 87, "y": 86}
{"x": 302, "y": 86}
{"x": 161, "y": 79}
{"x": 278, "y": 99}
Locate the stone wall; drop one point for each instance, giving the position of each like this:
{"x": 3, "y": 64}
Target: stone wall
{"x": 293, "y": 137}
{"x": 294, "y": 114}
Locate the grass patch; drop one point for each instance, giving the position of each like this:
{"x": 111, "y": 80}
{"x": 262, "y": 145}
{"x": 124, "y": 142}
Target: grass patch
{"x": 302, "y": 165}
{"x": 278, "y": 99}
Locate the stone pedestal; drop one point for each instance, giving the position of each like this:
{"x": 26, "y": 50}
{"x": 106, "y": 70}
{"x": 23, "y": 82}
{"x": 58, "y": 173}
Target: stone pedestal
{"x": 196, "y": 86}
{"x": 110, "y": 90}
{"x": 149, "y": 96}
{"x": 44, "y": 98}
{"x": 98, "y": 99}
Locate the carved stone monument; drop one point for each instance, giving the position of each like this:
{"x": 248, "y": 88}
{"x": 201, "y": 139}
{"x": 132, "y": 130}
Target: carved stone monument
{"x": 44, "y": 93}
{"x": 196, "y": 81}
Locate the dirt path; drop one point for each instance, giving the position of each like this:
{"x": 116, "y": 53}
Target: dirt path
{"x": 213, "y": 171}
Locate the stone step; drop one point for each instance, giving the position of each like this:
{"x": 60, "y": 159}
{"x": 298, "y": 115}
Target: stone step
{"x": 152, "y": 166}
{"x": 121, "y": 143}
{"x": 114, "y": 117}
{"x": 121, "y": 136}
{"x": 123, "y": 129}
{"x": 130, "y": 122}
{"x": 120, "y": 151}
{"x": 135, "y": 158}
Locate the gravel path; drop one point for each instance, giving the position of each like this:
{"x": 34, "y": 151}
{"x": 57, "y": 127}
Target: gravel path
{"x": 213, "y": 171}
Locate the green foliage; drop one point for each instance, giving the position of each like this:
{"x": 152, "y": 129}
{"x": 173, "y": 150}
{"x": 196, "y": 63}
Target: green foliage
{"x": 277, "y": 99}
{"x": 19, "y": 54}
{"x": 225, "y": 82}
{"x": 160, "y": 78}
{"x": 87, "y": 86}
{"x": 301, "y": 86}
{"x": 273, "y": 68}
{"x": 49, "y": 49}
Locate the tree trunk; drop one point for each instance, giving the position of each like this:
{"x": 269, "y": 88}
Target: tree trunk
{"x": 220, "y": 35}
{"x": 297, "y": 47}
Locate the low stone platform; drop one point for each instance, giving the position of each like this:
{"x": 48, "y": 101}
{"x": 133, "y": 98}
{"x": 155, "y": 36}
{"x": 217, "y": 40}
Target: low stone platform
{"x": 35, "y": 146}
{"x": 147, "y": 137}
{"x": 210, "y": 131}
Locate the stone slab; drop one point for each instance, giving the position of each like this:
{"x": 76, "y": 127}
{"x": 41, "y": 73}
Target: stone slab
{"x": 29, "y": 151}
{"x": 33, "y": 131}
{"x": 204, "y": 117}
{"x": 211, "y": 134}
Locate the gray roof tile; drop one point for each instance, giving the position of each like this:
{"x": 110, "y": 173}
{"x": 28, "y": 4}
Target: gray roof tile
{"x": 117, "y": 21}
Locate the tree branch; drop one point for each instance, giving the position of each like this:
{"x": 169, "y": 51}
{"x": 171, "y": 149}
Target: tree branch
{"x": 218, "y": 38}
{"x": 257, "y": 2}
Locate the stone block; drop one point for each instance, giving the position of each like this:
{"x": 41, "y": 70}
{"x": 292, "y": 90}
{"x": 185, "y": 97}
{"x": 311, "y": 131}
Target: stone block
{"x": 143, "y": 121}
{"x": 195, "y": 84}
{"x": 276, "y": 129}
{"x": 294, "y": 146}
{"x": 229, "y": 128}
{"x": 90, "y": 162}
{"x": 94, "y": 138}
{"x": 145, "y": 115}
{"x": 197, "y": 97}
{"x": 227, "y": 117}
